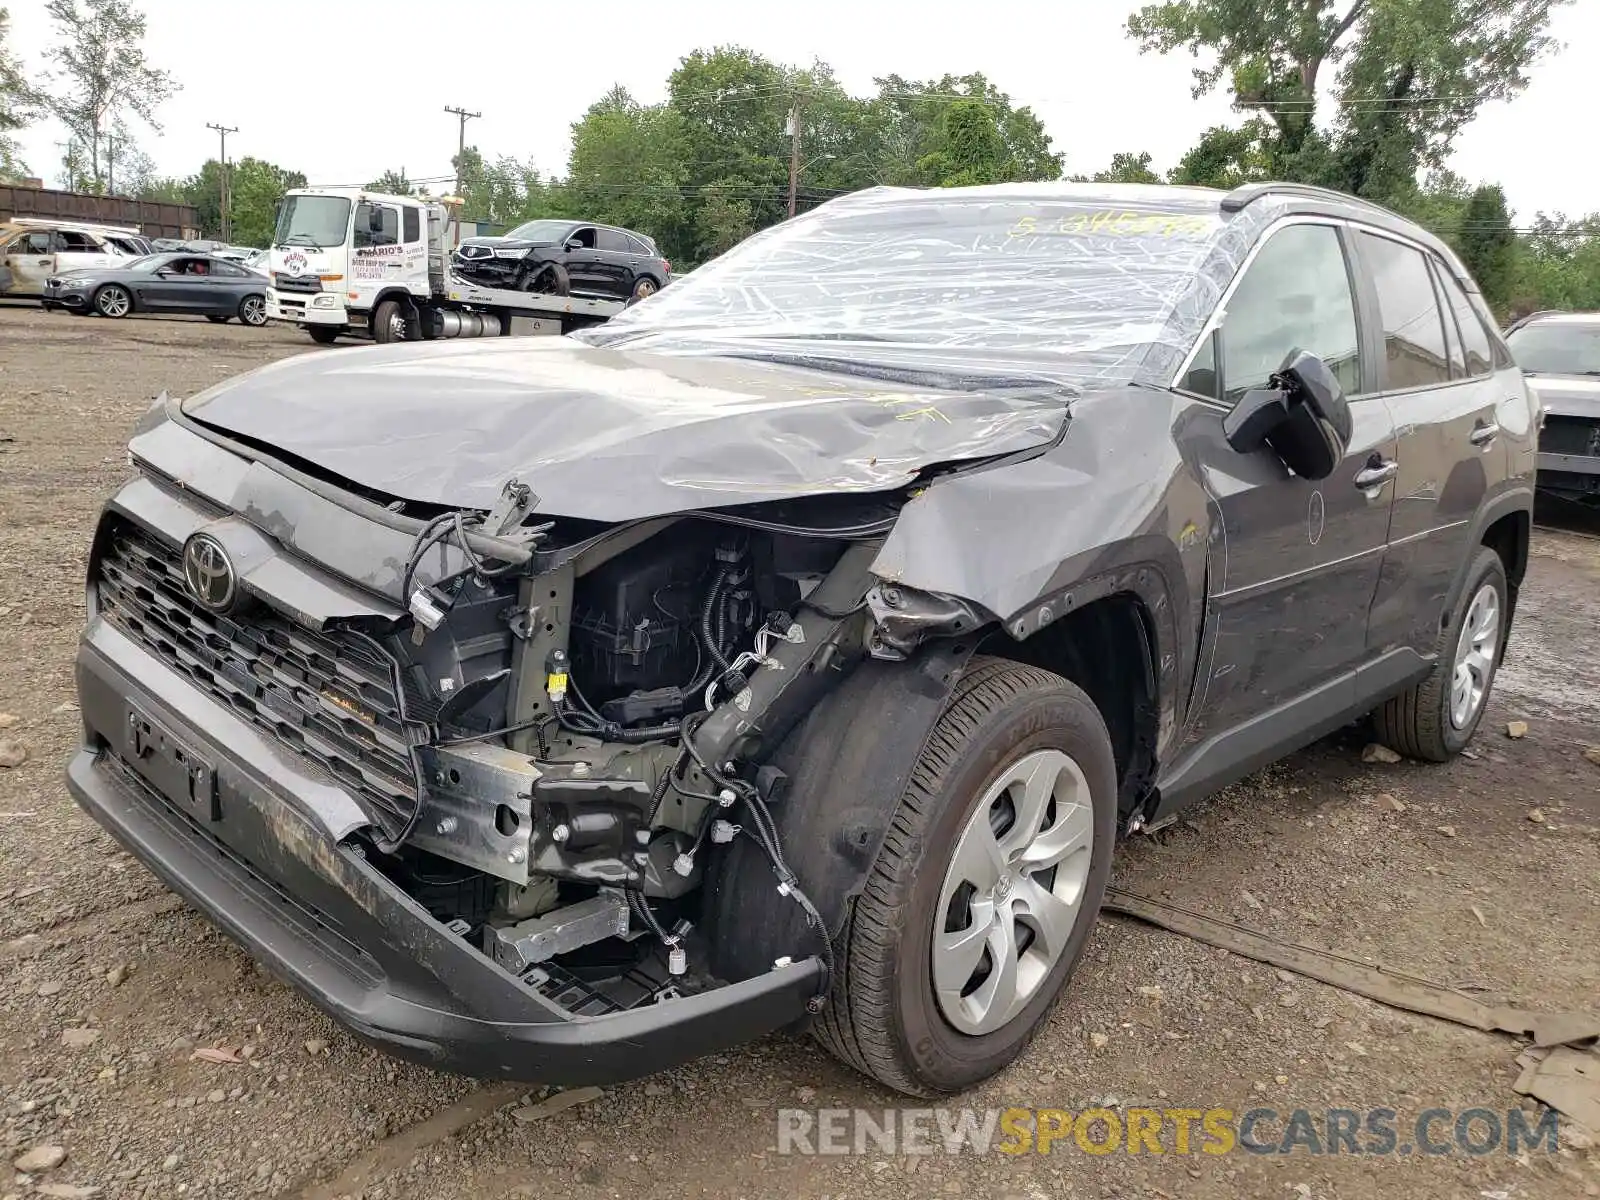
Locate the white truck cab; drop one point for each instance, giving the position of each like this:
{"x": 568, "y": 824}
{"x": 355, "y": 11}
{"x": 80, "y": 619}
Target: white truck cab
{"x": 350, "y": 261}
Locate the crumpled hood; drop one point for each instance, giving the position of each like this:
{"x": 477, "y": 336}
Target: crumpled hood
{"x": 610, "y": 435}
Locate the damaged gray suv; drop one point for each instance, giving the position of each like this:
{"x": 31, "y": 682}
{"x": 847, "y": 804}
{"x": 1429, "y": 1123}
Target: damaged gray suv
{"x": 794, "y": 649}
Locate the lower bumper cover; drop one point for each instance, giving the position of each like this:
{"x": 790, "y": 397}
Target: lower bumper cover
{"x": 264, "y": 859}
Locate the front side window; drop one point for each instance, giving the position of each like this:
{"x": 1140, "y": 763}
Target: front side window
{"x": 1474, "y": 339}
{"x": 1295, "y": 295}
{"x": 30, "y": 243}
{"x": 1413, "y": 329}
{"x": 387, "y": 221}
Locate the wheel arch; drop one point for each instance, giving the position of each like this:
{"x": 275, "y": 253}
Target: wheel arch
{"x": 1505, "y": 525}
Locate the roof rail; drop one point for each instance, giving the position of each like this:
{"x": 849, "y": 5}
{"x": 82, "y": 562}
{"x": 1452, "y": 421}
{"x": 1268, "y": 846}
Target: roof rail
{"x": 1248, "y": 193}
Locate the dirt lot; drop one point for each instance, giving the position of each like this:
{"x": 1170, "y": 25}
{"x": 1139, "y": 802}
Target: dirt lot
{"x": 1489, "y": 878}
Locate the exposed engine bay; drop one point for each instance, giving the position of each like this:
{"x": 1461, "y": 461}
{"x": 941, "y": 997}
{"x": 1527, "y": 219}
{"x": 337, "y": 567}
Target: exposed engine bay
{"x": 595, "y": 721}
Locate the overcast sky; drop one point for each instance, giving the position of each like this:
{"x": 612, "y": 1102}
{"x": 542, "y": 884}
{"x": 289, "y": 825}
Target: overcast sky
{"x": 343, "y": 89}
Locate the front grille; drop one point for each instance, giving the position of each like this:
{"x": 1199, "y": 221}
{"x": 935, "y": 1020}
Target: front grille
{"x": 327, "y": 696}
{"x": 296, "y": 283}
{"x": 1570, "y": 435}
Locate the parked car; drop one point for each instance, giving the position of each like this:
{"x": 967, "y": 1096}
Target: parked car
{"x": 258, "y": 261}
{"x": 565, "y": 256}
{"x": 31, "y": 251}
{"x": 236, "y": 253}
{"x": 163, "y": 283}
{"x": 797, "y": 646}
{"x": 1560, "y": 353}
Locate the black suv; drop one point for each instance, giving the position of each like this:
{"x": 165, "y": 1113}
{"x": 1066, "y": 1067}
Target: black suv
{"x": 798, "y": 646}
{"x": 563, "y": 257}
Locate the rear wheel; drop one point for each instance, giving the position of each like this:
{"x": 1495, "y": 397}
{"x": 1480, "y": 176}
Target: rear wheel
{"x": 253, "y": 311}
{"x": 982, "y": 899}
{"x": 113, "y": 301}
{"x": 1436, "y": 719}
{"x": 645, "y": 287}
{"x": 323, "y": 335}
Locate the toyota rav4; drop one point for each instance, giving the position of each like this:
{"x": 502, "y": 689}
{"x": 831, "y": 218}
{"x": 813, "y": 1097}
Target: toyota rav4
{"x": 795, "y": 649}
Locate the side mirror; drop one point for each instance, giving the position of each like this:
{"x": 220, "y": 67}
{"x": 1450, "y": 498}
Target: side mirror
{"x": 374, "y": 220}
{"x": 574, "y": 244}
{"x": 1303, "y": 416}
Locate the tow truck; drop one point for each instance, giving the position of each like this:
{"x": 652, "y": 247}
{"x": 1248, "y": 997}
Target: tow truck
{"x": 353, "y": 262}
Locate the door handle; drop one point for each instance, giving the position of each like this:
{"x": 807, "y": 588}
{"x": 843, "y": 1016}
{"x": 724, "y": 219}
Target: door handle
{"x": 1484, "y": 432}
{"x": 1376, "y": 473}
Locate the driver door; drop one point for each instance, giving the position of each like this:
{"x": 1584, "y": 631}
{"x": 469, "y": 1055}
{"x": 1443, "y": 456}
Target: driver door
{"x": 1294, "y": 563}
{"x": 583, "y": 262}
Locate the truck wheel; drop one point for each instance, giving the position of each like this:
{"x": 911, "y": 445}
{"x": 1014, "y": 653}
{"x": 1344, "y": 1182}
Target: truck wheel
{"x": 983, "y": 896}
{"x": 1436, "y": 719}
{"x": 323, "y": 335}
{"x": 388, "y": 323}
{"x": 113, "y": 301}
{"x": 550, "y": 280}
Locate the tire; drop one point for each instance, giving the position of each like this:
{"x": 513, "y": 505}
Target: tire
{"x": 643, "y": 288}
{"x": 218, "y": 320}
{"x": 113, "y": 301}
{"x": 323, "y": 335}
{"x": 253, "y": 311}
{"x": 883, "y": 1016}
{"x": 388, "y": 323}
{"x": 551, "y": 279}
{"x": 1425, "y": 720}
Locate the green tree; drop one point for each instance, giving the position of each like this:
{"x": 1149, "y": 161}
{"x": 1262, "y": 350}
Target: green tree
{"x": 916, "y": 127}
{"x": 969, "y": 148}
{"x": 1225, "y": 157}
{"x": 1128, "y": 168}
{"x": 393, "y": 183}
{"x": 15, "y": 106}
{"x": 1487, "y": 244}
{"x": 99, "y": 74}
{"x": 255, "y": 189}
{"x": 1411, "y": 74}
{"x": 726, "y": 218}
{"x": 628, "y": 166}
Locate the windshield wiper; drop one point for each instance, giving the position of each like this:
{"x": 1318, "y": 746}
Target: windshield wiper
{"x": 291, "y": 240}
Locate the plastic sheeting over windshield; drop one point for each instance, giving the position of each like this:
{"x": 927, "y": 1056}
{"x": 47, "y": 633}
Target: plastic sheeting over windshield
{"x": 1087, "y": 285}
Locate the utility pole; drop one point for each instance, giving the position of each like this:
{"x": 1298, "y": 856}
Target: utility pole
{"x": 794, "y": 150}
{"x": 222, "y": 163}
{"x": 111, "y": 164}
{"x": 463, "y": 117}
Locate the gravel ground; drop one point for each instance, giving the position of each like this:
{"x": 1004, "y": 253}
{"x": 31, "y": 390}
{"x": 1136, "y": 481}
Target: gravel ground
{"x": 1484, "y": 875}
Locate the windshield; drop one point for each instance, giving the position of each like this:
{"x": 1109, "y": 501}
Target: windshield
{"x": 1557, "y": 348}
{"x": 1017, "y": 281}
{"x": 312, "y": 221}
{"x": 540, "y": 231}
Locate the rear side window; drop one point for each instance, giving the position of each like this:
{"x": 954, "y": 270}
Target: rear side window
{"x": 78, "y": 242}
{"x": 413, "y": 223}
{"x": 611, "y": 239}
{"x": 1295, "y": 295}
{"x": 1474, "y": 339}
{"x": 1415, "y": 354}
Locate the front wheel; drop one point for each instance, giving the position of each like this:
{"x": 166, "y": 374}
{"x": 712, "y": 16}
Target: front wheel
{"x": 113, "y": 301}
{"x": 551, "y": 279}
{"x": 1435, "y": 719}
{"x": 253, "y": 311}
{"x": 388, "y": 323}
{"x": 990, "y": 879}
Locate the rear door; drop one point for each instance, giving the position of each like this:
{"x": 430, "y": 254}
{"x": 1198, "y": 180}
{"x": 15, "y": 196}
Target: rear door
{"x": 618, "y": 261}
{"x": 1439, "y": 384}
{"x": 78, "y": 251}
{"x": 1295, "y": 562}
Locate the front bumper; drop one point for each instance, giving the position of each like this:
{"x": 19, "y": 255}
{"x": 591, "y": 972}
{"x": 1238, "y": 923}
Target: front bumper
{"x": 74, "y": 298}
{"x": 307, "y": 308}
{"x": 268, "y": 858}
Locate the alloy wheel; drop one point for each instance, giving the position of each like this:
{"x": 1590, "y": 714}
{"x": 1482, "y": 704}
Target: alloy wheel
{"x": 1476, "y": 647}
{"x": 1013, "y": 892}
{"x": 253, "y": 311}
{"x": 113, "y": 302}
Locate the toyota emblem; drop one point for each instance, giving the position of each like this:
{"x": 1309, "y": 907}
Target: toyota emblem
{"x": 209, "y": 574}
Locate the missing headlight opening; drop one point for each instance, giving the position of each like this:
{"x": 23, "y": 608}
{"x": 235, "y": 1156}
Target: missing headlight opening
{"x": 589, "y": 718}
